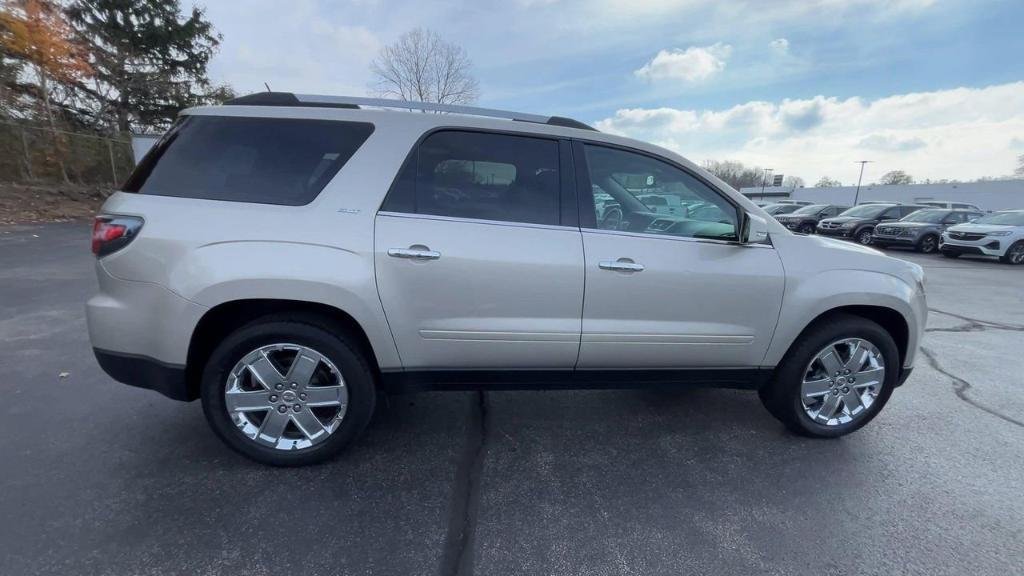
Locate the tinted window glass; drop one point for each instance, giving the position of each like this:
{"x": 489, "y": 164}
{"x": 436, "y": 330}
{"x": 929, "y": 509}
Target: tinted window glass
{"x": 263, "y": 160}
{"x": 482, "y": 176}
{"x": 625, "y": 184}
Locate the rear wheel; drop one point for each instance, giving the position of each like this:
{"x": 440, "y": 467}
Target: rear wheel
{"x": 928, "y": 244}
{"x": 1015, "y": 254}
{"x": 287, "y": 392}
{"x": 864, "y": 237}
{"x": 836, "y": 378}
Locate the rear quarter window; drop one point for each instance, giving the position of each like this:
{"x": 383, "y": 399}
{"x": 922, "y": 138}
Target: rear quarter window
{"x": 260, "y": 160}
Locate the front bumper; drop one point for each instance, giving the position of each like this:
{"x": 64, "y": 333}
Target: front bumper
{"x": 895, "y": 240}
{"x": 987, "y": 246}
{"x": 835, "y": 232}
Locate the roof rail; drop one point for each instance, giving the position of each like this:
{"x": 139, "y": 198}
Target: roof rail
{"x": 313, "y": 100}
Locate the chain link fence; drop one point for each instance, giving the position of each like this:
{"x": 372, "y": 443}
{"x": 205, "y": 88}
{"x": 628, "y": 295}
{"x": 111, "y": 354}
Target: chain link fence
{"x": 32, "y": 154}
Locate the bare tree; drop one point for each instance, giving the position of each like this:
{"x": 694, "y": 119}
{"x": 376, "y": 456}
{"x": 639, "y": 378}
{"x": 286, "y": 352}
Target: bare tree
{"x": 896, "y": 177}
{"x": 793, "y": 182}
{"x": 422, "y": 66}
{"x": 826, "y": 182}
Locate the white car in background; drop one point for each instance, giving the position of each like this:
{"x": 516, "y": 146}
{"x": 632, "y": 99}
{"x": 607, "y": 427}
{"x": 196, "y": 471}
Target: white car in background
{"x": 1000, "y": 234}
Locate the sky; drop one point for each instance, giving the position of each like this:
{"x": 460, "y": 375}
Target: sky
{"x": 805, "y": 87}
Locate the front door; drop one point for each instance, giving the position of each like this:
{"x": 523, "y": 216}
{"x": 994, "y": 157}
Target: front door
{"x": 673, "y": 291}
{"x": 474, "y": 266}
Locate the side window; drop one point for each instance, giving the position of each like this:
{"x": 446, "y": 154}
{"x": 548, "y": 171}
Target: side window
{"x": 893, "y": 213}
{"x": 907, "y": 210}
{"x": 636, "y": 193}
{"x": 481, "y": 176}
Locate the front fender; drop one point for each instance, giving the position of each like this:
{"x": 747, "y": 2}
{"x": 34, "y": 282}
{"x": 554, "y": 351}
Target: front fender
{"x": 808, "y": 298}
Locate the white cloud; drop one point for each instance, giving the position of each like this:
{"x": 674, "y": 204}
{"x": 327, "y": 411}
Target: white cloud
{"x": 956, "y": 133}
{"x": 695, "y": 64}
{"x": 780, "y": 46}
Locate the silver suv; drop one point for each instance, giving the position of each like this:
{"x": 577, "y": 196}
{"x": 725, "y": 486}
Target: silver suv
{"x": 286, "y": 257}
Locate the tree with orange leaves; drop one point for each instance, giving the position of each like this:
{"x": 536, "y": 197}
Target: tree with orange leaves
{"x": 36, "y": 32}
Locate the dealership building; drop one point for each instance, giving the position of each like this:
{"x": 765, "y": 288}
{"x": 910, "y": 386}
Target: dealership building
{"x": 992, "y": 195}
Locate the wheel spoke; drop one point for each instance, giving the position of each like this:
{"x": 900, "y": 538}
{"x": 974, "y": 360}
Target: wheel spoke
{"x": 828, "y": 408}
{"x": 870, "y": 377}
{"x": 852, "y": 401}
{"x": 816, "y": 388}
{"x": 273, "y": 426}
{"x": 309, "y": 424}
{"x": 325, "y": 396}
{"x": 246, "y": 401}
{"x": 830, "y": 360}
{"x": 302, "y": 368}
{"x": 264, "y": 371}
{"x": 858, "y": 356}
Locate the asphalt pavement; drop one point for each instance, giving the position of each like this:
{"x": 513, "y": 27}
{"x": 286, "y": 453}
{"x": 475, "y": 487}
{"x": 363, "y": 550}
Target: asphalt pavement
{"x": 101, "y": 478}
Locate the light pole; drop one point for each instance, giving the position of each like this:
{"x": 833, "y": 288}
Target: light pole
{"x": 856, "y": 195}
{"x": 764, "y": 176}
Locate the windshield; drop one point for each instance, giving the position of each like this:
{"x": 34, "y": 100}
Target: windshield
{"x": 930, "y": 216}
{"x": 1003, "y": 218}
{"x": 812, "y": 209}
{"x": 780, "y": 208}
{"x": 866, "y": 210}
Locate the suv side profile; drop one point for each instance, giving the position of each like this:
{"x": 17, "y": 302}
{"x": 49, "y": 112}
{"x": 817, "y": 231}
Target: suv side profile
{"x": 858, "y": 223}
{"x": 806, "y": 219}
{"x": 285, "y": 258}
{"x": 921, "y": 230}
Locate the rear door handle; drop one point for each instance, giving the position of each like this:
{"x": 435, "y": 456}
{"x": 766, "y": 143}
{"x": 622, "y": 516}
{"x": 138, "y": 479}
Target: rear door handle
{"x": 414, "y": 253}
{"x": 621, "y": 265}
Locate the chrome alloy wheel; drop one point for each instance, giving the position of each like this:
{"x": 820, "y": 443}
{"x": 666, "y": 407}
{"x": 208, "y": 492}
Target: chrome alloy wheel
{"x": 286, "y": 396}
{"x": 1016, "y": 254}
{"x": 842, "y": 381}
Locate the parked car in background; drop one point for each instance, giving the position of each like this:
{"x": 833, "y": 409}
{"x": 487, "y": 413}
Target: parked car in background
{"x": 922, "y": 229}
{"x": 1000, "y": 234}
{"x": 664, "y": 203}
{"x": 950, "y": 205}
{"x": 775, "y": 209}
{"x": 806, "y": 218}
{"x": 285, "y": 258}
{"x": 858, "y": 223}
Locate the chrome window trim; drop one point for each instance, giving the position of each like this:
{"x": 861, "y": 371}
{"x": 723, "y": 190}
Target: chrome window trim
{"x": 677, "y": 238}
{"x": 477, "y": 221}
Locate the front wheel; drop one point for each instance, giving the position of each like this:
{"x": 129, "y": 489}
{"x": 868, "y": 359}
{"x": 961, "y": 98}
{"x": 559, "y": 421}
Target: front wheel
{"x": 1015, "y": 254}
{"x": 928, "y": 244}
{"x": 864, "y": 237}
{"x": 835, "y": 378}
{"x": 806, "y": 229}
{"x": 287, "y": 391}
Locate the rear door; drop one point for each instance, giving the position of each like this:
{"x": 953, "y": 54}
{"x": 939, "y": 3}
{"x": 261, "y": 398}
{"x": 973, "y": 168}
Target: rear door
{"x": 479, "y": 258}
{"x": 668, "y": 292}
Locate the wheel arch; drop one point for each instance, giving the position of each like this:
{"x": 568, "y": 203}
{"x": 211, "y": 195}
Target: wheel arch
{"x": 222, "y": 319}
{"x": 891, "y": 320}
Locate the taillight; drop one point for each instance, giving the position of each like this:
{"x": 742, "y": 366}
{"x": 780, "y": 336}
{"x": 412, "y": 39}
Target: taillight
{"x": 111, "y": 233}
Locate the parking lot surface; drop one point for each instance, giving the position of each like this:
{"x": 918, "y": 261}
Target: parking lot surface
{"x": 102, "y": 478}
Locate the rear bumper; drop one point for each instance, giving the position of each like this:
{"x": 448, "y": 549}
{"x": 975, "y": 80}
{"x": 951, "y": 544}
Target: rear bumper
{"x": 145, "y": 372}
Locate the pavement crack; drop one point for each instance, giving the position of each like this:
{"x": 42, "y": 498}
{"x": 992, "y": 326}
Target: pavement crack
{"x": 961, "y": 386}
{"x": 457, "y": 557}
{"x": 973, "y": 324}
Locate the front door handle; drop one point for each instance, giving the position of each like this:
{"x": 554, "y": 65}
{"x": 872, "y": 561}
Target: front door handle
{"x": 621, "y": 265}
{"x": 414, "y": 253}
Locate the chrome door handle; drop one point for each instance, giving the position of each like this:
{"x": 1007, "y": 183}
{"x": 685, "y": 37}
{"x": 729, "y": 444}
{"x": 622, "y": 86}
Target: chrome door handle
{"x": 413, "y": 253}
{"x": 621, "y": 265}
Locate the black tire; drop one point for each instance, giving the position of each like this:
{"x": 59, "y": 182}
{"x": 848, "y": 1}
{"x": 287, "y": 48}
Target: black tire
{"x": 806, "y": 229}
{"x": 332, "y": 343}
{"x": 1014, "y": 254}
{"x": 864, "y": 237}
{"x": 949, "y": 254}
{"x": 782, "y": 396}
{"x": 928, "y": 244}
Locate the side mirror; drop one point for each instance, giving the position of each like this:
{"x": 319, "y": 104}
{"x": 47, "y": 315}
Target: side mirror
{"x": 755, "y": 229}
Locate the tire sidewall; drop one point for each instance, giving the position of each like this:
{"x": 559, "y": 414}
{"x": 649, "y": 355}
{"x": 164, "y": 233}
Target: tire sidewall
{"x": 921, "y": 246}
{"x": 789, "y": 377}
{"x": 863, "y": 233}
{"x": 354, "y": 370}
